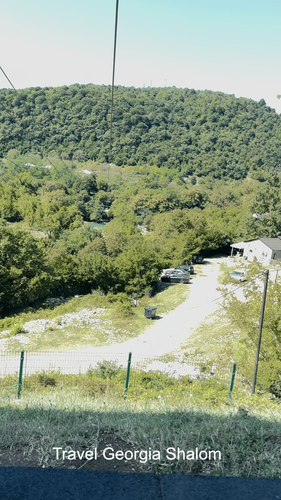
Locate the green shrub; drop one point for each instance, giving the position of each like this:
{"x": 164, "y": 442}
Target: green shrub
{"x": 15, "y": 330}
{"x": 275, "y": 387}
{"x": 124, "y": 308}
{"x": 122, "y": 303}
{"x": 156, "y": 380}
{"x": 47, "y": 379}
{"x": 107, "y": 369}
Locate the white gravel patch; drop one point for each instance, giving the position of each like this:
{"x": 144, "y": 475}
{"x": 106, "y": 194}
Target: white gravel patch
{"x": 84, "y": 317}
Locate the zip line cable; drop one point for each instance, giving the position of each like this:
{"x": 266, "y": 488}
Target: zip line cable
{"x": 112, "y": 90}
{"x": 8, "y": 79}
{"x": 14, "y": 118}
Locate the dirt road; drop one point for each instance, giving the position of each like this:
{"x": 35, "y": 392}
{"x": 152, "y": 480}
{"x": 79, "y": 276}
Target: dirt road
{"x": 168, "y": 333}
{"x": 162, "y": 336}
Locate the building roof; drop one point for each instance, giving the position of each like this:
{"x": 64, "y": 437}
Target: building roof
{"x": 241, "y": 244}
{"x": 273, "y": 243}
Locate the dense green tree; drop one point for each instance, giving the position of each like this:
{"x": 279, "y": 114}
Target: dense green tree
{"x": 195, "y": 132}
{"x": 119, "y": 232}
{"x": 75, "y": 240}
{"x": 54, "y": 219}
{"x": 95, "y": 272}
{"x": 25, "y": 275}
{"x": 245, "y": 316}
{"x": 265, "y": 219}
{"x": 137, "y": 268}
{"x": 8, "y": 202}
{"x": 64, "y": 270}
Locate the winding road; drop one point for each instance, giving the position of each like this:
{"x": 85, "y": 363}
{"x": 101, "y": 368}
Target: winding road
{"x": 162, "y": 336}
{"x": 168, "y": 333}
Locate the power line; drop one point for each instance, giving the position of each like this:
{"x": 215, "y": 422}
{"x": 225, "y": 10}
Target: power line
{"x": 229, "y": 292}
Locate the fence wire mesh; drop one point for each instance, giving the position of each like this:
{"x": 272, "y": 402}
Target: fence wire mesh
{"x": 99, "y": 372}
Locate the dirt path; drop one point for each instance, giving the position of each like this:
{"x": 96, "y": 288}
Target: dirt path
{"x": 169, "y": 332}
{"x": 161, "y": 337}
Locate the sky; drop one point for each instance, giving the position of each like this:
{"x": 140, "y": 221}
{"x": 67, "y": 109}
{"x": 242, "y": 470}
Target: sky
{"x": 220, "y": 45}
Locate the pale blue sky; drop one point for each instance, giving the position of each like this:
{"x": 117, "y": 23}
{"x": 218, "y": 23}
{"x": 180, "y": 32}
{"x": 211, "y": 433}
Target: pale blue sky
{"x": 231, "y": 46}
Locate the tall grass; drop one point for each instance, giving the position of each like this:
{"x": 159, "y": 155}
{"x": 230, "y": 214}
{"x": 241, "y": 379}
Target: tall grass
{"x": 49, "y": 414}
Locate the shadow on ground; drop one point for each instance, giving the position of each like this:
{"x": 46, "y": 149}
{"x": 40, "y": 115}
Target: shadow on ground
{"x": 142, "y": 438}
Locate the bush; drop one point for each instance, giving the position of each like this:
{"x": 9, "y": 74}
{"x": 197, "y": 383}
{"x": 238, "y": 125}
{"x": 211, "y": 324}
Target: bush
{"x": 157, "y": 380}
{"x": 107, "y": 369}
{"x": 122, "y": 303}
{"x": 275, "y": 387}
{"x": 15, "y": 330}
{"x": 47, "y": 379}
{"x": 118, "y": 297}
{"x": 125, "y": 309}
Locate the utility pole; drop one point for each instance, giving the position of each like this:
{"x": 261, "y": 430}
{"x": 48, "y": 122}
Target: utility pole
{"x": 260, "y": 329}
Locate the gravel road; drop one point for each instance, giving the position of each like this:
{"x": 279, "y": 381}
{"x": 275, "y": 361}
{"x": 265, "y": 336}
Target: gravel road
{"x": 161, "y": 337}
{"x": 168, "y": 333}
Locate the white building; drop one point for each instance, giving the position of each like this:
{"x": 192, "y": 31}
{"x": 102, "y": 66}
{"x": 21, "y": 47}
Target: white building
{"x": 265, "y": 250}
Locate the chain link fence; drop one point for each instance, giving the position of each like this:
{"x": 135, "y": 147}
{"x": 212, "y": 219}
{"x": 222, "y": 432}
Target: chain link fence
{"x": 94, "y": 372}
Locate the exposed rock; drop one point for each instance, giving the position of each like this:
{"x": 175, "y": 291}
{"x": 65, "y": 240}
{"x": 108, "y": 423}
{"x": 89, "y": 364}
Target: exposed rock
{"x": 85, "y": 316}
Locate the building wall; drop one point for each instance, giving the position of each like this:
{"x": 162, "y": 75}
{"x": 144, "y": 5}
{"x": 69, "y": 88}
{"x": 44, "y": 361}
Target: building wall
{"x": 257, "y": 249}
{"x": 276, "y": 254}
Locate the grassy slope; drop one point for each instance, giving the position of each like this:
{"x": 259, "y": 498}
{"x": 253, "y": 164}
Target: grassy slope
{"x": 248, "y": 438}
{"x": 245, "y": 430}
{"x": 117, "y": 328}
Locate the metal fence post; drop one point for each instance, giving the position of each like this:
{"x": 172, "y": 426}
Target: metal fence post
{"x": 20, "y": 373}
{"x": 128, "y": 375}
{"x": 232, "y": 381}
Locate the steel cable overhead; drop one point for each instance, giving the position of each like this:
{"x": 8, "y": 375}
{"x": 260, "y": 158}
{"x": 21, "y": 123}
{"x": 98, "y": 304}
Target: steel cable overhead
{"x": 14, "y": 118}
{"x": 8, "y": 79}
{"x": 112, "y": 89}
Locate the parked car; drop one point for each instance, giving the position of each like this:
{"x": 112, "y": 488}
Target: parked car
{"x": 199, "y": 259}
{"x": 167, "y": 271}
{"x": 179, "y": 277}
{"x": 179, "y": 272}
{"x": 186, "y": 267}
{"x": 238, "y": 275}
{"x": 176, "y": 276}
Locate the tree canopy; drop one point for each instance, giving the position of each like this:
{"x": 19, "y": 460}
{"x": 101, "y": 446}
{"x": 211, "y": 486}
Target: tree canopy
{"x": 195, "y": 132}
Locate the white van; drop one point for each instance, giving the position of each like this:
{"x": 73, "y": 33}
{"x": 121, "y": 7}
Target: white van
{"x": 238, "y": 275}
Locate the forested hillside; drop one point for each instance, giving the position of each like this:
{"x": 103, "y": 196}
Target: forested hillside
{"x": 196, "y": 132}
{"x": 195, "y": 167}
{"x": 154, "y": 220}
